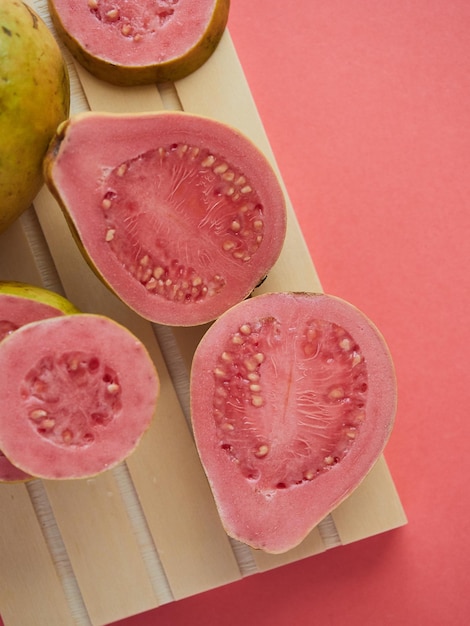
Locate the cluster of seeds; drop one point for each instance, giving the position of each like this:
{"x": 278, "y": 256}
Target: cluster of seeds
{"x": 169, "y": 279}
{"x": 130, "y": 19}
{"x": 68, "y": 397}
{"x": 238, "y": 370}
{"x": 239, "y": 394}
{"x": 328, "y": 413}
{"x": 211, "y": 198}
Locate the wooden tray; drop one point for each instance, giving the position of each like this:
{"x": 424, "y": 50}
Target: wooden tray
{"x": 146, "y": 533}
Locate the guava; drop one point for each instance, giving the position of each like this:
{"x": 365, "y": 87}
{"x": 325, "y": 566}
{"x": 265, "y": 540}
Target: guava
{"x": 135, "y": 43}
{"x": 34, "y": 99}
{"x": 78, "y": 393}
{"x": 21, "y": 303}
{"x": 293, "y": 398}
{"x": 180, "y": 215}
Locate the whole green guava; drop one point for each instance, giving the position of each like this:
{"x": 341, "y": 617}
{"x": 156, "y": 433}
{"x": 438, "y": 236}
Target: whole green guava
{"x": 34, "y": 99}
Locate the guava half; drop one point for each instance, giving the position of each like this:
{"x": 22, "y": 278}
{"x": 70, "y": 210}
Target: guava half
{"x": 180, "y": 215}
{"x": 134, "y": 43}
{"x": 293, "y": 398}
{"x": 21, "y": 303}
{"x": 34, "y": 99}
{"x": 78, "y": 393}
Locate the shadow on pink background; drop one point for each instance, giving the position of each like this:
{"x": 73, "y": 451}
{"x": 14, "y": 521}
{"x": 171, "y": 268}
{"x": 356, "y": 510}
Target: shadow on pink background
{"x": 367, "y": 107}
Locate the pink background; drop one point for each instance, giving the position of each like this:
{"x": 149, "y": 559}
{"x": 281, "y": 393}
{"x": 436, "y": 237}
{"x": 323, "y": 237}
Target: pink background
{"x": 367, "y": 106}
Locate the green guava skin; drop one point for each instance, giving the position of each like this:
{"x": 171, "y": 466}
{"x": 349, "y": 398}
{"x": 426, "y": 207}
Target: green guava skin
{"x": 34, "y": 99}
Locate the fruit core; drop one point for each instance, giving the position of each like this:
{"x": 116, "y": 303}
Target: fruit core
{"x": 281, "y": 426}
{"x": 151, "y": 223}
{"x": 68, "y": 398}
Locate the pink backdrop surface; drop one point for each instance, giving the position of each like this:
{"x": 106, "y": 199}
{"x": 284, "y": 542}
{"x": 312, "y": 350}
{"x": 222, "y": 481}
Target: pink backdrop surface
{"x": 367, "y": 108}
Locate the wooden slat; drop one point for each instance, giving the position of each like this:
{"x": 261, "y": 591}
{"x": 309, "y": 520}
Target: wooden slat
{"x": 102, "y": 547}
{"x": 105, "y": 97}
{"x": 373, "y": 505}
{"x": 30, "y": 589}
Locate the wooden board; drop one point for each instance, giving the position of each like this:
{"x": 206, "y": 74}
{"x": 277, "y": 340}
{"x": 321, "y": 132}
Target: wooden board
{"x": 146, "y": 533}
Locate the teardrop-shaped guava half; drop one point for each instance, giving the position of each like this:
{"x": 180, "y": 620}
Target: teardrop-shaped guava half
{"x": 180, "y": 215}
{"x": 22, "y": 303}
{"x": 78, "y": 393}
{"x": 135, "y": 43}
{"x": 293, "y": 398}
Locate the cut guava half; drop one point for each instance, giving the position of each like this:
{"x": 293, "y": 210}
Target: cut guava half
{"x": 78, "y": 393}
{"x": 181, "y": 216}
{"x": 293, "y": 398}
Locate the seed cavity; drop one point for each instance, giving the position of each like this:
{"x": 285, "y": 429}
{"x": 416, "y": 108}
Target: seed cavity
{"x": 63, "y": 394}
{"x": 205, "y": 198}
{"x": 322, "y": 401}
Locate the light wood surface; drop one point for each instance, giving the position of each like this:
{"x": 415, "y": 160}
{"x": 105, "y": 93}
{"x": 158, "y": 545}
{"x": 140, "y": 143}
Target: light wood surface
{"x": 146, "y": 533}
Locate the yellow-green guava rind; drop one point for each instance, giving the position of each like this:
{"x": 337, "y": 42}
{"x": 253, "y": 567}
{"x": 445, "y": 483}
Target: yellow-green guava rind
{"x": 34, "y": 99}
